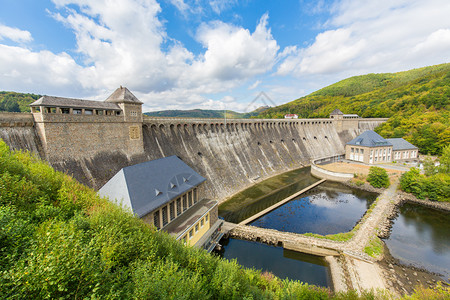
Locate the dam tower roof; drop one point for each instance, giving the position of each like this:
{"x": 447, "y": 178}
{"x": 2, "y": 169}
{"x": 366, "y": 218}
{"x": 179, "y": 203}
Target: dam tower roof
{"x": 123, "y": 95}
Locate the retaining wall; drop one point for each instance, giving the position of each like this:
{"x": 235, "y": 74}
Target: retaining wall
{"x": 319, "y": 172}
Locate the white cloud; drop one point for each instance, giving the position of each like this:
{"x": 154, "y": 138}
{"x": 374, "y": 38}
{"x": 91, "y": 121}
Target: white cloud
{"x": 255, "y": 85}
{"x": 377, "y": 36}
{"x": 14, "y": 34}
{"x": 124, "y": 42}
{"x": 180, "y": 5}
{"x": 233, "y": 52}
{"x": 220, "y": 5}
{"x": 40, "y": 71}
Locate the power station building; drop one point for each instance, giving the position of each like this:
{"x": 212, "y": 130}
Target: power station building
{"x": 371, "y": 148}
{"x": 166, "y": 193}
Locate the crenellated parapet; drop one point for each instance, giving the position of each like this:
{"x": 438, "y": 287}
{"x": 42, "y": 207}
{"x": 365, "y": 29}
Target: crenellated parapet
{"x": 256, "y": 124}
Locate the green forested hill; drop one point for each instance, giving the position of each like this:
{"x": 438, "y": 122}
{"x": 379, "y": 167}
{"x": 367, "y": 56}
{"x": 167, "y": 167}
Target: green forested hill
{"x": 16, "y": 102}
{"x": 417, "y": 103}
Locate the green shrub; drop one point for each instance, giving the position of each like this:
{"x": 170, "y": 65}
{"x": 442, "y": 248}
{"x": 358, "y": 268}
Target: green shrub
{"x": 435, "y": 187}
{"x": 378, "y": 177}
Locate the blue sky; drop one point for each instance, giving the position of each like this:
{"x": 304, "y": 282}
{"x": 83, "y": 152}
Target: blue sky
{"x": 184, "y": 54}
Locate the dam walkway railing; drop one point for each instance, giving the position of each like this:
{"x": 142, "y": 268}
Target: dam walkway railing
{"x": 278, "y": 204}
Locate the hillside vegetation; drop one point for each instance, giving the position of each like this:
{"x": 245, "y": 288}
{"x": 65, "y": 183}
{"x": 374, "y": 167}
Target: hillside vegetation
{"x": 16, "y": 102}
{"x": 417, "y": 103}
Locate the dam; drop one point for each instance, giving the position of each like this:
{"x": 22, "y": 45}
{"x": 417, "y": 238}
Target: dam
{"x": 232, "y": 154}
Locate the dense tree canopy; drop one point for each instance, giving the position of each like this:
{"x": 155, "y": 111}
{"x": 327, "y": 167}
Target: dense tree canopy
{"x": 16, "y": 102}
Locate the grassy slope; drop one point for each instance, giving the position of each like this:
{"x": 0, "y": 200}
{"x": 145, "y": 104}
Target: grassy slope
{"x": 417, "y": 103}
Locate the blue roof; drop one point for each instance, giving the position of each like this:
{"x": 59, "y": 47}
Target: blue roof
{"x": 149, "y": 185}
{"x": 401, "y": 144}
{"x": 369, "y": 138}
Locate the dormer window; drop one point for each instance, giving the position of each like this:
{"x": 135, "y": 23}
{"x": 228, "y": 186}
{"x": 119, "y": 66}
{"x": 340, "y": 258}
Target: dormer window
{"x": 158, "y": 192}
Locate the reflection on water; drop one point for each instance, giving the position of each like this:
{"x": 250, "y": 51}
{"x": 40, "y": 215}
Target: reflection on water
{"x": 328, "y": 209}
{"x": 282, "y": 263}
{"x": 264, "y": 194}
{"x": 421, "y": 236}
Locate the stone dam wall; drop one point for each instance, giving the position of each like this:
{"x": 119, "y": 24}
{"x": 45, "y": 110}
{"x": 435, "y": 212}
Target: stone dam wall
{"x": 232, "y": 155}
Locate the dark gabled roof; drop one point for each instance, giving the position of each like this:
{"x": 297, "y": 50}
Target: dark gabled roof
{"x": 369, "y": 138}
{"x": 401, "y": 144}
{"x": 146, "y": 186}
{"x": 336, "y": 112}
{"x": 50, "y": 101}
{"x": 123, "y": 95}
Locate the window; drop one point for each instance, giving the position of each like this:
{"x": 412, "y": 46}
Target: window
{"x": 99, "y": 112}
{"x": 178, "y": 207}
{"x": 156, "y": 219}
{"x": 88, "y": 112}
{"x": 184, "y": 239}
{"x": 196, "y": 227}
{"x": 202, "y": 222}
{"x": 184, "y": 203}
{"x": 362, "y": 151}
{"x": 76, "y": 111}
{"x": 133, "y": 113}
{"x": 172, "y": 210}
{"x": 190, "y": 198}
{"x": 65, "y": 110}
{"x": 206, "y": 218}
{"x": 195, "y": 196}
{"x": 352, "y": 150}
{"x": 191, "y": 233}
{"x": 357, "y": 150}
{"x": 164, "y": 215}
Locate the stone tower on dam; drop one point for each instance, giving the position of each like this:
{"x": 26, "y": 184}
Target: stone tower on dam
{"x": 92, "y": 140}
